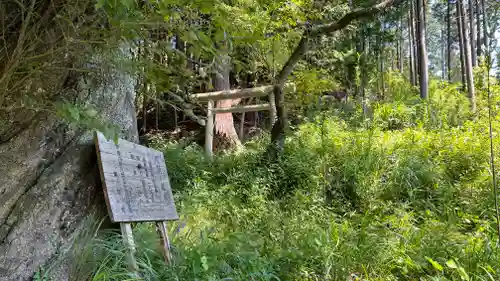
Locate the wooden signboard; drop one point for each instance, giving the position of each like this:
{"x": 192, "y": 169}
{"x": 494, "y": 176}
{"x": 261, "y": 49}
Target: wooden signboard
{"x": 136, "y": 187}
{"x": 135, "y": 180}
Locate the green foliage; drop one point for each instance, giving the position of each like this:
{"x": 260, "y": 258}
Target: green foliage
{"x": 86, "y": 117}
{"x": 310, "y": 85}
{"x": 398, "y": 198}
{"x": 447, "y": 106}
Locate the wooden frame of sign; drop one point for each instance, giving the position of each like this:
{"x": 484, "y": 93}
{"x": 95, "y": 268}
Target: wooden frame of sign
{"x": 136, "y": 189}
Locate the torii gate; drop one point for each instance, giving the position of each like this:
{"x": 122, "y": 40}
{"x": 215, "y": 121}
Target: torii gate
{"x": 211, "y": 97}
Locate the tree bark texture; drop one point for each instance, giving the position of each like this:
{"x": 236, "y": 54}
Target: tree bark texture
{"x": 414, "y": 39}
{"x": 467, "y": 56}
{"x": 485, "y": 26}
{"x": 443, "y": 57}
{"x": 473, "y": 33}
{"x": 478, "y": 27}
{"x": 224, "y": 122}
{"x": 417, "y": 21}
{"x": 448, "y": 40}
{"x": 461, "y": 45}
{"x": 381, "y": 58}
{"x": 49, "y": 177}
{"x": 411, "y": 51}
{"x": 423, "y": 61}
{"x": 401, "y": 43}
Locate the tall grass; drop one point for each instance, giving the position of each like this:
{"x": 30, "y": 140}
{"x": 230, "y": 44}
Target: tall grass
{"x": 402, "y": 196}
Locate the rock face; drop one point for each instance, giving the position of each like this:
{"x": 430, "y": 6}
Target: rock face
{"x": 49, "y": 180}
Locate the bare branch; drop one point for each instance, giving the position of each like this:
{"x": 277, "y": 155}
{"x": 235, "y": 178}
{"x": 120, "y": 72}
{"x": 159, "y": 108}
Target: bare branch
{"x": 187, "y": 108}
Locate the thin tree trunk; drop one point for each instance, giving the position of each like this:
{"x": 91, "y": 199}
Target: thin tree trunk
{"x": 485, "y": 26}
{"x": 381, "y": 59}
{"x": 412, "y": 52}
{"x": 467, "y": 56}
{"x": 157, "y": 118}
{"x": 241, "y": 134}
{"x": 363, "y": 77}
{"x": 478, "y": 27}
{"x": 472, "y": 29}
{"x": 144, "y": 90}
{"x": 424, "y": 71}
{"x": 461, "y": 44}
{"x": 416, "y": 37}
{"x": 396, "y": 58}
{"x": 443, "y": 58}
{"x": 175, "y": 119}
{"x": 448, "y": 39}
{"x": 359, "y": 50}
{"x": 401, "y": 44}
{"x": 144, "y": 128}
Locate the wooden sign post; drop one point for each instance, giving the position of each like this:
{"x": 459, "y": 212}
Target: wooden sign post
{"x": 136, "y": 188}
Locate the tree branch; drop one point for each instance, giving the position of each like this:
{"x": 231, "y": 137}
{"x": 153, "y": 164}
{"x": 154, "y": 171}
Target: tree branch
{"x": 352, "y": 16}
{"x": 280, "y": 126}
{"x": 318, "y": 30}
{"x": 187, "y": 108}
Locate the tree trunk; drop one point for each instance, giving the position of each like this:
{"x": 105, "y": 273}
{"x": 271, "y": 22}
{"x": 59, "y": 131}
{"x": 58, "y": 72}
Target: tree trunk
{"x": 362, "y": 69}
{"x": 411, "y": 45}
{"x": 478, "y": 27}
{"x": 485, "y": 26}
{"x": 443, "y": 58}
{"x": 473, "y": 33}
{"x": 461, "y": 45}
{"x": 401, "y": 44}
{"x": 467, "y": 56}
{"x": 141, "y": 88}
{"x": 416, "y": 30}
{"x": 226, "y": 134}
{"x": 448, "y": 39}
{"x": 381, "y": 58}
{"x": 413, "y": 24}
{"x": 50, "y": 181}
{"x": 424, "y": 71}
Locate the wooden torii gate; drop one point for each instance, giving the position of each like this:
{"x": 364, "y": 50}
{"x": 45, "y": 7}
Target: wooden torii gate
{"x": 211, "y": 97}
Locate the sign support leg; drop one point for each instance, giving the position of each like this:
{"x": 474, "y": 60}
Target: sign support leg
{"x": 128, "y": 240}
{"x": 165, "y": 242}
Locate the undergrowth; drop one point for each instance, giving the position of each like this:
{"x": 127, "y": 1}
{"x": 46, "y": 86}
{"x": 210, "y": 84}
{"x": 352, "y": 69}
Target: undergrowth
{"x": 404, "y": 195}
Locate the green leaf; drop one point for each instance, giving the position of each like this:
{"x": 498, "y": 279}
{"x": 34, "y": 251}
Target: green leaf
{"x": 434, "y": 263}
{"x": 129, "y": 4}
{"x": 488, "y": 272}
{"x": 219, "y": 35}
{"x": 204, "y": 38}
{"x": 451, "y": 264}
{"x": 463, "y": 275}
{"x": 115, "y": 137}
{"x": 91, "y": 112}
{"x": 74, "y": 114}
{"x": 204, "y": 263}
